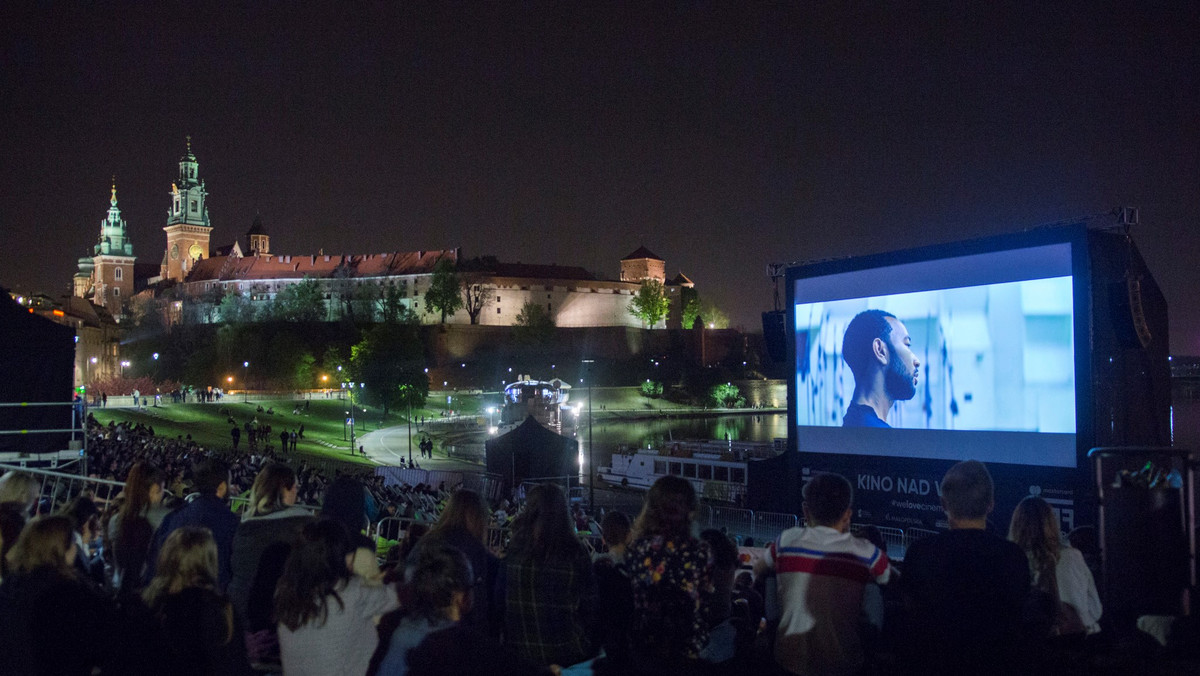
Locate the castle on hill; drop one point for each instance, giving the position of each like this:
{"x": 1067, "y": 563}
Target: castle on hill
{"x": 355, "y": 284}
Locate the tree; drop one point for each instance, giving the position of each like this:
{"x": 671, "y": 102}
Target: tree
{"x": 443, "y": 295}
{"x": 236, "y": 309}
{"x": 727, "y": 395}
{"x": 534, "y": 323}
{"x": 475, "y": 296}
{"x": 390, "y": 363}
{"x": 300, "y": 302}
{"x": 710, "y": 314}
{"x": 650, "y": 303}
{"x": 652, "y": 389}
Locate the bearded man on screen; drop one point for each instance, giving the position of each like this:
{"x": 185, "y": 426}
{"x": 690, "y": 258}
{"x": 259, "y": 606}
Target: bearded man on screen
{"x": 878, "y": 350}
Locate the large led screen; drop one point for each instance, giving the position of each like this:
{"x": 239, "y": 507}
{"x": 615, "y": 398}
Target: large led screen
{"x": 969, "y": 356}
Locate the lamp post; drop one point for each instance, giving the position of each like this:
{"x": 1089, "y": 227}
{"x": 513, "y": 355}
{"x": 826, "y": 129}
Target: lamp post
{"x": 245, "y": 381}
{"x": 406, "y": 390}
{"x": 88, "y": 374}
{"x": 124, "y": 363}
{"x": 591, "y": 455}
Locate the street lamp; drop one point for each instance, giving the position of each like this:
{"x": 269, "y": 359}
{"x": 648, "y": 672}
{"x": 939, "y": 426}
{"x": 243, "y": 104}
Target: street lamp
{"x": 88, "y": 375}
{"x": 406, "y": 390}
{"x": 591, "y": 454}
{"x": 124, "y": 363}
{"x": 245, "y": 380}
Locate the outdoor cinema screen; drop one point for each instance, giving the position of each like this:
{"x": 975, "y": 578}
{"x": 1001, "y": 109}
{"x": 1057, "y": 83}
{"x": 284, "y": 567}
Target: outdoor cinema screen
{"x": 956, "y": 357}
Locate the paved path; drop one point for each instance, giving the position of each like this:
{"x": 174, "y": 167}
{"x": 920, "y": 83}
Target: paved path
{"x": 388, "y": 445}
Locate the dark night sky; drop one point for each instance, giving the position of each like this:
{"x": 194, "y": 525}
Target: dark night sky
{"x": 721, "y": 138}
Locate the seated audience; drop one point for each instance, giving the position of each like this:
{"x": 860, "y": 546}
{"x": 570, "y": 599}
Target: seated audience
{"x": 201, "y": 633}
{"x": 964, "y": 590}
{"x": 50, "y": 622}
{"x": 463, "y": 525}
{"x": 85, "y": 518}
{"x": 345, "y": 502}
{"x": 430, "y": 639}
{"x": 550, "y": 594}
{"x": 325, "y": 612}
{"x": 260, "y": 548}
{"x": 210, "y": 510}
{"x": 130, "y": 531}
{"x": 18, "y": 494}
{"x": 821, "y": 570}
{"x": 1057, "y": 571}
{"x": 718, "y": 607}
{"x": 671, "y": 573}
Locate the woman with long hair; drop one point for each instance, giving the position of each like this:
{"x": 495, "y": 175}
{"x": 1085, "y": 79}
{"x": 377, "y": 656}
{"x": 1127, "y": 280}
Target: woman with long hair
{"x": 260, "y": 547}
{"x": 50, "y": 622}
{"x": 130, "y": 531}
{"x": 550, "y": 592}
{"x": 326, "y": 612}
{"x": 1056, "y": 569}
{"x": 463, "y": 525}
{"x": 671, "y": 573}
{"x": 200, "y": 631}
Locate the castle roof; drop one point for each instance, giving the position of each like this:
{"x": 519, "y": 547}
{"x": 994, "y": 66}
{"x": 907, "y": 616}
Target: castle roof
{"x": 232, "y": 268}
{"x": 642, "y": 252}
{"x": 256, "y": 228}
{"x": 681, "y": 280}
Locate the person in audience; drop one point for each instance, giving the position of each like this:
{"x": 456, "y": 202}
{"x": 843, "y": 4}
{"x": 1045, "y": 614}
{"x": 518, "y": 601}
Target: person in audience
{"x": 210, "y": 478}
{"x": 1056, "y": 570}
{"x": 463, "y": 525}
{"x": 18, "y": 495}
{"x": 200, "y": 631}
{"x": 325, "y": 612}
{"x": 614, "y": 595}
{"x": 964, "y": 590}
{"x": 345, "y": 502}
{"x": 718, "y": 607}
{"x": 550, "y": 593}
{"x": 614, "y": 533}
{"x": 50, "y": 622}
{"x": 130, "y": 531}
{"x": 85, "y": 517}
{"x": 431, "y": 639}
{"x": 821, "y": 570}
{"x": 260, "y": 548}
{"x": 670, "y": 572}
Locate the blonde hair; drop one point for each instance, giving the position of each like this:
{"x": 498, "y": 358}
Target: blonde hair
{"x": 1035, "y": 530}
{"x": 43, "y": 543}
{"x": 188, "y": 560}
{"x": 266, "y": 494}
{"x": 19, "y": 487}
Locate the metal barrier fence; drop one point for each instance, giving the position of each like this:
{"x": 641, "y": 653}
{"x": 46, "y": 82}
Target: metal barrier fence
{"x": 487, "y": 485}
{"x": 61, "y": 487}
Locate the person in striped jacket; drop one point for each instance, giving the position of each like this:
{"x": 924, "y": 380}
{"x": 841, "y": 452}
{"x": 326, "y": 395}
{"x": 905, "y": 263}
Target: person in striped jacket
{"x": 821, "y": 570}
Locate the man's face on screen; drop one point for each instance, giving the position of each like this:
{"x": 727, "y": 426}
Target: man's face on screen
{"x": 903, "y": 368}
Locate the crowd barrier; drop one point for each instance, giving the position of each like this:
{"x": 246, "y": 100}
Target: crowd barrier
{"x": 60, "y": 487}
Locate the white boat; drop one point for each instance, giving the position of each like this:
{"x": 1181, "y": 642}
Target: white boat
{"x": 717, "y": 470}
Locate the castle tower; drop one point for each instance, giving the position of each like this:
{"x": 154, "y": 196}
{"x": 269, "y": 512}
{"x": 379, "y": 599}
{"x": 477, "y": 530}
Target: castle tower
{"x": 260, "y": 241}
{"x": 188, "y": 230}
{"x": 112, "y": 262}
{"x": 643, "y": 264}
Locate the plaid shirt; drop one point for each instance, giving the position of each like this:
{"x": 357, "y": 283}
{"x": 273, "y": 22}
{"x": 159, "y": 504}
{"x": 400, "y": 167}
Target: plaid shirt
{"x": 549, "y": 608}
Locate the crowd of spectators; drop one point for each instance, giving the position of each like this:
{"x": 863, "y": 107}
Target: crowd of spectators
{"x": 135, "y": 585}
